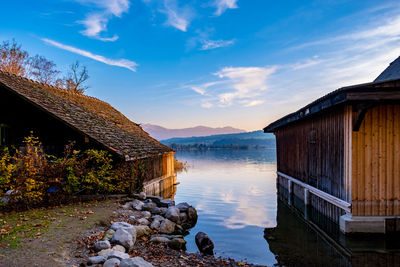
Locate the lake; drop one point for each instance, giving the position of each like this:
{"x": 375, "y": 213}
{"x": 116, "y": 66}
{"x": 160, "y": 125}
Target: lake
{"x": 234, "y": 192}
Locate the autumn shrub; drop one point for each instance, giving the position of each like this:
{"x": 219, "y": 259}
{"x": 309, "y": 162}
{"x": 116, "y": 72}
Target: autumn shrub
{"x": 35, "y": 177}
{"x": 180, "y": 166}
{"x": 7, "y": 168}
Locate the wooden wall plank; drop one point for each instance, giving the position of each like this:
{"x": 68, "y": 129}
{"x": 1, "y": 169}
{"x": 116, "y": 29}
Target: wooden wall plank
{"x": 376, "y": 162}
{"x": 312, "y": 151}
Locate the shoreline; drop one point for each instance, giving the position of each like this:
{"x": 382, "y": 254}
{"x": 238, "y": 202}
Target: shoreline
{"x": 157, "y": 253}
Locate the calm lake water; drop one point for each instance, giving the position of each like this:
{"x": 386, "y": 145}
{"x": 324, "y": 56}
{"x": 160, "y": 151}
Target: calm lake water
{"x": 234, "y": 192}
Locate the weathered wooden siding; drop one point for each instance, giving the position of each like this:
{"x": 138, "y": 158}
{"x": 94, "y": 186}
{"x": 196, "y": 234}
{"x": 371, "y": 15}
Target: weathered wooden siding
{"x": 156, "y": 167}
{"x": 312, "y": 151}
{"x": 376, "y": 163}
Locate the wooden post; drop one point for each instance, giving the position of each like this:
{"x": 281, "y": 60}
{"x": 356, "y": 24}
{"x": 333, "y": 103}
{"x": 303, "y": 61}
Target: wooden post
{"x": 306, "y": 197}
{"x": 290, "y": 191}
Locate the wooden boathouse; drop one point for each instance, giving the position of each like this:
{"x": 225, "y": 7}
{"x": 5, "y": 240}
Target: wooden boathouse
{"x": 341, "y": 154}
{"x": 58, "y": 116}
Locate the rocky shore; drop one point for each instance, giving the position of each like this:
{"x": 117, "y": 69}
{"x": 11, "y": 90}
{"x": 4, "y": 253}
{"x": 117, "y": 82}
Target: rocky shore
{"x": 148, "y": 231}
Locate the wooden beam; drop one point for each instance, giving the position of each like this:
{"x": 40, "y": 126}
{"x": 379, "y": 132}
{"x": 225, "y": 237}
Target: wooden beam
{"x": 319, "y": 193}
{"x": 361, "y": 110}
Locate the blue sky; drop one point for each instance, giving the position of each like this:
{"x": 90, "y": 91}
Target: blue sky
{"x": 243, "y": 63}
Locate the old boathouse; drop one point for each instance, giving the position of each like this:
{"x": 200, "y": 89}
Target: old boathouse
{"x": 57, "y": 117}
{"x": 340, "y": 155}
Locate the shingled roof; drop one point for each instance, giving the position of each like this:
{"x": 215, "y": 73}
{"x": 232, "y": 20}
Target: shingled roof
{"x": 92, "y": 117}
{"x": 391, "y": 72}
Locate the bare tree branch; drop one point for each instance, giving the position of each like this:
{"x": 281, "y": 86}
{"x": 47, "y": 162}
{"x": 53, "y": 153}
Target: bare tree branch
{"x": 43, "y": 70}
{"x": 76, "y": 78}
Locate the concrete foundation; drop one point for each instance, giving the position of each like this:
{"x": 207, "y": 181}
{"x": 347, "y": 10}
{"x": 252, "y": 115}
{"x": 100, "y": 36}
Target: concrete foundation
{"x": 366, "y": 224}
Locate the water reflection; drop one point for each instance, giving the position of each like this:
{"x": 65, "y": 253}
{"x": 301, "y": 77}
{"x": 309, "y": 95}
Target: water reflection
{"x": 234, "y": 192}
{"x": 297, "y": 243}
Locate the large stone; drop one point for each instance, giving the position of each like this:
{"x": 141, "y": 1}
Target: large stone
{"x": 171, "y": 236}
{"x": 159, "y": 239}
{"x": 149, "y": 206}
{"x": 156, "y": 210}
{"x": 143, "y": 221}
{"x": 183, "y": 207}
{"x": 126, "y": 226}
{"x": 163, "y": 211}
{"x": 158, "y": 217}
{"x": 167, "y": 227}
{"x": 112, "y": 262}
{"x": 142, "y": 195}
{"x": 108, "y": 234}
{"x": 145, "y": 214}
{"x": 100, "y": 245}
{"x": 105, "y": 252}
{"x": 177, "y": 244}
{"x": 135, "y": 262}
{"x": 191, "y": 218}
{"x": 155, "y": 225}
{"x": 167, "y": 203}
{"x": 118, "y": 255}
{"x": 179, "y": 230}
{"x": 155, "y": 199}
{"x": 119, "y": 248}
{"x": 204, "y": 243}
{"x": 124, "y": 238}
{"x": 127, "y": 205}
{"x": 183, "y": 217}
{"x": 142, "y": 230}
{"x": 96, "y": 260}
{"x": 137, "y": 204}
{"x": 172, "y": 214}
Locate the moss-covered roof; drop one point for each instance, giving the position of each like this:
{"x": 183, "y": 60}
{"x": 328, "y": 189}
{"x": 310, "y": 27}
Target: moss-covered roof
{"x": 88, "y": 115}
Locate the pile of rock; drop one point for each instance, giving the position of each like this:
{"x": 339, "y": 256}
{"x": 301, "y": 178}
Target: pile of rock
{"x": 149, "y": 215}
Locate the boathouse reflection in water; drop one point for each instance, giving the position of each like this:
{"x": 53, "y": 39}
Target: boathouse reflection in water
{"x": 163, "y": 187}
{"x": 317, "y": 241}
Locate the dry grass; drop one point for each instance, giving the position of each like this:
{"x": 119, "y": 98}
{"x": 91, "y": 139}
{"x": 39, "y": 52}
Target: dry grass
{"x": 180, "y": 166}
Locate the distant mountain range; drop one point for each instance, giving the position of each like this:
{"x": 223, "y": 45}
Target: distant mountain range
{"x": 161, "y": 133}
{"x": 256, "y": 139}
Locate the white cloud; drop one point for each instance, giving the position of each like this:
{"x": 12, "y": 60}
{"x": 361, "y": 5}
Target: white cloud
{"x": 206, "y": 105}
{"x": 176, "y": 17}
{"x": 236, "y": 85}
{"x": 96, "y": 23}
{"x": 223, "y": 5}
{"x": 211, "y": 44}
{"x": 124, "y": 63}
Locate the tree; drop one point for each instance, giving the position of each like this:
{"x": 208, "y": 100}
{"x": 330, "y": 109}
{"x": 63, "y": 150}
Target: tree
{"x": 13, "y": 59}
{"x": 17, "y": 61}
{"x": 76, "y": 78}
{"x": 43, "y": 70}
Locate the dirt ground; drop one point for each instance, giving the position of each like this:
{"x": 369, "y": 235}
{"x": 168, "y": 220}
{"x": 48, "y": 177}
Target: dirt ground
{"x": 51, "y": 237}
{"x": 64, "y": 236}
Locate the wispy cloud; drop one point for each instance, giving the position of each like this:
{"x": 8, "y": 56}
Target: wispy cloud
{"x": 96, "y": 23}
{"x": 236, "y": 86}
{"x": 223, "y": 5}
{"x": 124, "y": 63}
{"x": 213, "y": 44}
{"x": 178, "y": 18}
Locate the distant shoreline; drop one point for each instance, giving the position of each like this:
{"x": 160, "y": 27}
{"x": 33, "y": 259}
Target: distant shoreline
{"x": 201, "y": 147}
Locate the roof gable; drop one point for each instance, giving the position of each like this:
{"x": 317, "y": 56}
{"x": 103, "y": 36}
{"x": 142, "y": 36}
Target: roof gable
{"x": 391, "y": 72}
